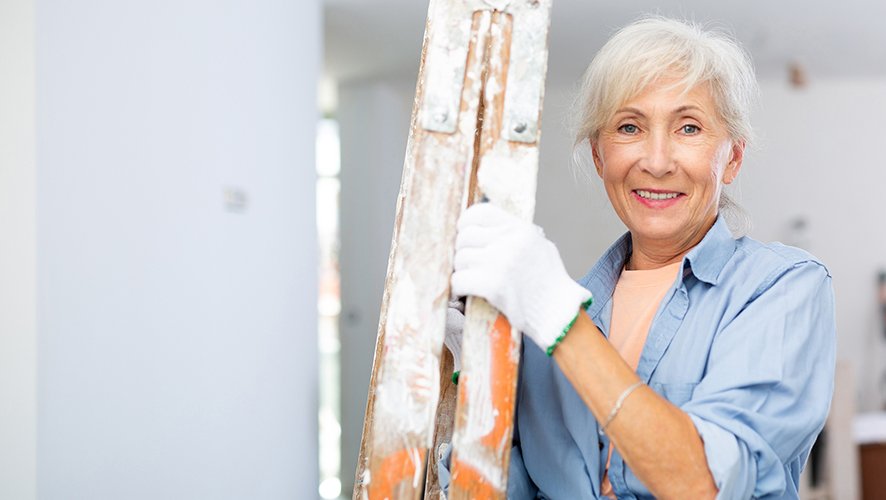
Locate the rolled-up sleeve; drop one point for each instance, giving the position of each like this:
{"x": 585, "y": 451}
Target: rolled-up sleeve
{"x": 768, "y": 384}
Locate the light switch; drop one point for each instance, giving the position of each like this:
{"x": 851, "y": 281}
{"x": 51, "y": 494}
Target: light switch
{"x": 235, "y": 199}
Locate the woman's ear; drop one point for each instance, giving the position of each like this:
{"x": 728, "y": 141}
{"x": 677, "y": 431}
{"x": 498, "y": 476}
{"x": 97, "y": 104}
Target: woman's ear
{"x": 598, "y": 162}
{"x": 734, "y": 166}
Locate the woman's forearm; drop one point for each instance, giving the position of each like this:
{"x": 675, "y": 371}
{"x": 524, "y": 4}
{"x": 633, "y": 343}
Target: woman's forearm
{"x": 657, "y": 440}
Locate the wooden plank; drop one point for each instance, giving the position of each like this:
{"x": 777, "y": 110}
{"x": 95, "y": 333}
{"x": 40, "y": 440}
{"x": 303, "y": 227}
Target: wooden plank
{"x": 469, "y": 137}
{"x": 405, "y": 385}
{"x": 508, "y": 166}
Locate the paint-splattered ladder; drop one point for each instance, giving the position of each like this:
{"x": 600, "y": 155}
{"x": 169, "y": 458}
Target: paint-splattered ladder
{"x": 474, "y": 132}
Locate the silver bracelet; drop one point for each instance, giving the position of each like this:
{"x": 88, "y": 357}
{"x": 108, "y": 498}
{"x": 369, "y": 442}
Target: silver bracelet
{"x": 618, "y": 402}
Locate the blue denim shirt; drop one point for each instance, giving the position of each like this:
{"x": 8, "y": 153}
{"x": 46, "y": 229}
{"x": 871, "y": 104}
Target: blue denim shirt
{"x": 744, "y": 342}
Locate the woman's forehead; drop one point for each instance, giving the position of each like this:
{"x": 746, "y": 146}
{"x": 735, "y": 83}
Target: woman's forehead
{"x": 670, "y": 94}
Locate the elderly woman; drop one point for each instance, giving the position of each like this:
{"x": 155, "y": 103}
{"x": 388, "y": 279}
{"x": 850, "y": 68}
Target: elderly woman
{"x": 703, "y": 366}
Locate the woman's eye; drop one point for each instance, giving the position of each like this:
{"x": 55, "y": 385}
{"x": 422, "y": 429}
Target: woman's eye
{"x": 689, "y": 129}
{"x": 628, "y": 128}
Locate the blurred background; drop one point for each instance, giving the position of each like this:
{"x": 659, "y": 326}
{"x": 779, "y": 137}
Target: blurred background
{"x": 196, "y": 205}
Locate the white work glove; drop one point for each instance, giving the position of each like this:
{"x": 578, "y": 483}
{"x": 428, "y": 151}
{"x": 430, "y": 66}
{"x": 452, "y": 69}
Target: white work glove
{"x": 511, "y": 264}
{"x": 455, "y": 324}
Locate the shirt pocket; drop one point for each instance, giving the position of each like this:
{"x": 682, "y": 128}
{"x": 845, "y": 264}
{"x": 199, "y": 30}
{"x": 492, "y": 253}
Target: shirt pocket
{"x": 677, "y": 393}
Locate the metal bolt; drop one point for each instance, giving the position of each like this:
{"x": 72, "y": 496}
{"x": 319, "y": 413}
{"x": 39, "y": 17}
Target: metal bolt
{"x": 520, "y": 128}
{"x": 441, "y": 115}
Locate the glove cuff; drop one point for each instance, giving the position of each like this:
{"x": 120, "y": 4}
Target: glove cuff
{"x": 562, "y": 312}
{"x": 584, "y": 307}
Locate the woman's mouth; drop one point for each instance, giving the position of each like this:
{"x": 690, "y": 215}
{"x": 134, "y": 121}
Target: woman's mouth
{"x": 656, "y": 199}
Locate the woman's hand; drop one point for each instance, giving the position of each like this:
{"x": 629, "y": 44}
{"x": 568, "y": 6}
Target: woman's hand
{"x": 511, "y": 264}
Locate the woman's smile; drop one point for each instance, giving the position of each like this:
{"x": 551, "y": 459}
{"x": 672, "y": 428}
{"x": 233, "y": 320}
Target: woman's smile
{"x": 657, "y": 198}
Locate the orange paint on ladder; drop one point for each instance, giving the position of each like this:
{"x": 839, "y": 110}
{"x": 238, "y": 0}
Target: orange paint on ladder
{"x": 504, "y": 382}
{"x": 395, "y": 469}
{"x": 467, "y": 481}
{"x": 472, "y": 484}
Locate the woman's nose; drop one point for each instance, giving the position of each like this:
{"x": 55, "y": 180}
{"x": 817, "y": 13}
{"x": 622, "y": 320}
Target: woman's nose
{"x": 658, "y": 159}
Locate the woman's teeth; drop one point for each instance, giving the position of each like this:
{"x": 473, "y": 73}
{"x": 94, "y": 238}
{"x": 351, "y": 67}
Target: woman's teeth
{"x": 649, "y": 195}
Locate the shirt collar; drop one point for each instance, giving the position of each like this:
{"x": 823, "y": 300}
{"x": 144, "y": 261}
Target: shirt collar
{"x": 709, "y": 257}
{"x": 705, "y": 260}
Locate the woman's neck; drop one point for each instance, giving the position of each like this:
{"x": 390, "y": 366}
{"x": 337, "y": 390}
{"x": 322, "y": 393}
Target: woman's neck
{"x": 653, "y": 254}
{"x": 641, "y": 260}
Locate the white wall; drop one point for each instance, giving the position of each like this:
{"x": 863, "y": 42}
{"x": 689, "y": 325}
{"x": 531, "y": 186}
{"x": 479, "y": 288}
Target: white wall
{"x": 177, "y": 339}
{"x": 18, "y": 317}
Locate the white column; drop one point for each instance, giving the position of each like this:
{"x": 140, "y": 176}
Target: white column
{"x": 177, "y": 249}
{"x": 18, "y": 302}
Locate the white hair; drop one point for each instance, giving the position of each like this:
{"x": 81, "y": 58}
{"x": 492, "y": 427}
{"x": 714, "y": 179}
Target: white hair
{"x": 654, "y": 47}
{"x": 657, "y": 47}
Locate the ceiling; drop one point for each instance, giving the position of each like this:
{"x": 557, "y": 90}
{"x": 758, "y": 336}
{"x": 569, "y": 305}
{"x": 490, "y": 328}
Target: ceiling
{"x": 846, "y": 39}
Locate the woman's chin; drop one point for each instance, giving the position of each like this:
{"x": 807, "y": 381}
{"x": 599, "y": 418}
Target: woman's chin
{"x": 667, "y": 229}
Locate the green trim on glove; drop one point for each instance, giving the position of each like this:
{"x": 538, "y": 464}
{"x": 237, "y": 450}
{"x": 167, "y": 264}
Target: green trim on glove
{"x": 584, "y": 307}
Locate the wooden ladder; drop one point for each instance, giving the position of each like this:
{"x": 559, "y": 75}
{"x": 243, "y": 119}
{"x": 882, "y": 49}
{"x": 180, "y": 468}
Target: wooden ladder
{"x": 474, "y": 134}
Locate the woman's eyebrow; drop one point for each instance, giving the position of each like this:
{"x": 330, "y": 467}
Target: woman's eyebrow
{"x": 681, "y": 109}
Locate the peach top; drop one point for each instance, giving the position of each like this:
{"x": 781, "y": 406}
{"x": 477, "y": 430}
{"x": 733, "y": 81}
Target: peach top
{"x": 634, "y": 304}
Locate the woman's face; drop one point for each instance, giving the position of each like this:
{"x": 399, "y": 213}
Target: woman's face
{"x": 663, "y": 158}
